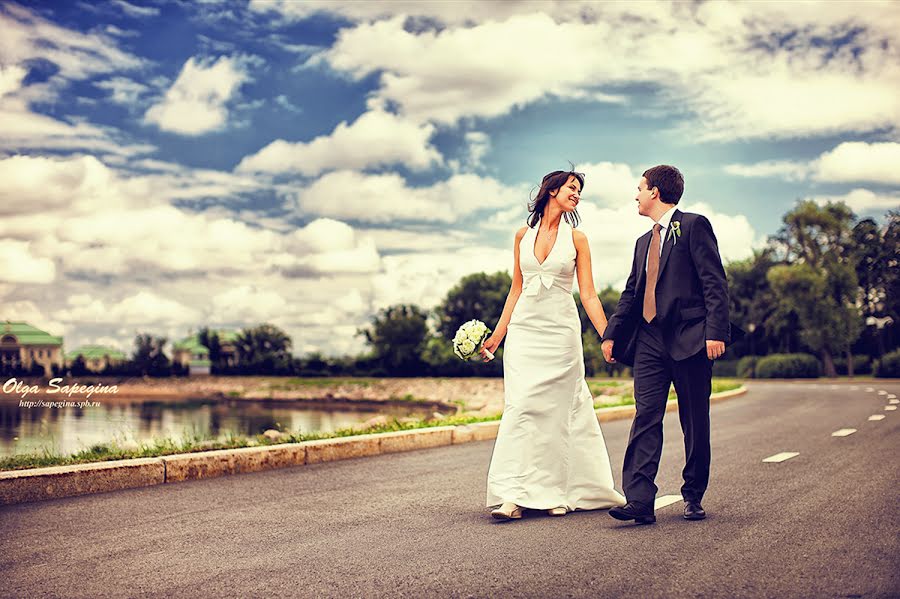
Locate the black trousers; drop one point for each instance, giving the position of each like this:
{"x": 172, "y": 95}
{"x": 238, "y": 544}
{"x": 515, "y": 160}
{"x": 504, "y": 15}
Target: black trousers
{"x": 654, "y": 372}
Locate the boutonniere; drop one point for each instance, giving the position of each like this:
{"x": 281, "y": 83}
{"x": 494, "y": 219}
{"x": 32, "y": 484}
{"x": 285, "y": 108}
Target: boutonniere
{"x": 675, "y": 231}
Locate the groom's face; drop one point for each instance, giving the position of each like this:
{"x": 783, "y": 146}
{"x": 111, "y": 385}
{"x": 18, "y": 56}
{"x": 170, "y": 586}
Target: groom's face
{"x": 645, "y": 198}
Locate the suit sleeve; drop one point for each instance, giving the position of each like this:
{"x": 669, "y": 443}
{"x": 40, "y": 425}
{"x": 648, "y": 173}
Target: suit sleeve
{"x": 705, "y": 254}
{"x": 623, "y": 308}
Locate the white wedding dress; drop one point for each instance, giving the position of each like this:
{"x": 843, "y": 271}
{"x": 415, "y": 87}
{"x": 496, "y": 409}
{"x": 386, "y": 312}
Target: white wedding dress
{"x": 549, "y": 450}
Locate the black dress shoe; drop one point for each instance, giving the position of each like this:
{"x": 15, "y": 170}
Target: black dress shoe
{"x": 633, "y": 511}
{"x": 693, "y": 511}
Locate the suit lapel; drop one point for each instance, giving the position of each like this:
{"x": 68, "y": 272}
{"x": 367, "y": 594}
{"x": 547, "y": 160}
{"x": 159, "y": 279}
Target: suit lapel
{"x": 668, "y": 243}
{"x": 642, "y": 247}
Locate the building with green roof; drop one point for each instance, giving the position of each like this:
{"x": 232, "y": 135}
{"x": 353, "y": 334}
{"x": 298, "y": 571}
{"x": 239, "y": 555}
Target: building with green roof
{"x": 189, "y": 352}
{"x": 23, "y": 346}
{"x": 96, "y": 357}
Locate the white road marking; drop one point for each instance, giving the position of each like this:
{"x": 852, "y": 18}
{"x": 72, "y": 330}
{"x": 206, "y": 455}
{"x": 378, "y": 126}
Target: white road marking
{"x": 843, "y": 432}
{"x": 666, "y": 500}
{"x": 869, "y": 389}
{"x": 780, "y": 457}
{"x": 890, "y": 408}
{"x": 891, "y": 396}
{"x": 882, "y": 392}
{"x": 894, "y": 402}
{"x": 876, "y": 417}
{"x": 832, "y": 386}
{"x": 854, "y": 388}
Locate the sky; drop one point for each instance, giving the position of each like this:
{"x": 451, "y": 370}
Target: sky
{"x": 171, "y": 165}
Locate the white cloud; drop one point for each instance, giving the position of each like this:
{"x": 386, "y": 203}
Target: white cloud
{"x": 864, "y": 201}
{"x": 860, "y": 161}
{"x": 123, "y": 90}
{"x": 97, "y": 220}
{"x": 848, "y": 162}
{"x": 249, "y": 304}
{"x": 22, "y": 266}
{"x": 385, "y": 198}
{"x": 28, "y": 311}
{"x": 11, "y": 77}
{"x": 136, "y": 11}
{"x": 612, "y": 183}
{"x": 328, "y": 246}
{"x": 23, "y": 130}
{"x": 33, "y": 184}
{"x": 777, "y": 70}
{"x": 456, "y": 12}
{"x": 27, "y": 36}
{"x": 786, "y": 169}
{"x": 376, "y": 138}
{"x": 197, "y": 101}
{"x": 144, "y": 308}
{"x": 423, "y": 278}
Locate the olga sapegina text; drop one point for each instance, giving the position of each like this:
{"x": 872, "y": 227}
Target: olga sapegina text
{"x": 15, "y": 386}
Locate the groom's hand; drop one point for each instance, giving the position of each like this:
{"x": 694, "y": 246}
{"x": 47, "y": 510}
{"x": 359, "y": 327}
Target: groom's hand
{"x": 714, "y": 349}
{"x": 606, "y": 347}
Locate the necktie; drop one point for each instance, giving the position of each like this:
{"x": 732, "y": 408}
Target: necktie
{"x": 652, "y": 273}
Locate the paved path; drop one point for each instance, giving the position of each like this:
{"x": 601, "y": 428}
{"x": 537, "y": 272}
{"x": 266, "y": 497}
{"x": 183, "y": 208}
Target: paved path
{"x": 824, "y": 523}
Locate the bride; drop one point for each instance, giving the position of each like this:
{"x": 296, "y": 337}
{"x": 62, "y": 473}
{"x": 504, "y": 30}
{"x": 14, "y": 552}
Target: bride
{"x": 549, "y": 453}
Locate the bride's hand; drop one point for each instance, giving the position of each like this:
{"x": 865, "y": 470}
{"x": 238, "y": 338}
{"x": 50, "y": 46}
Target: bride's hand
{"x": 490, "y": 344}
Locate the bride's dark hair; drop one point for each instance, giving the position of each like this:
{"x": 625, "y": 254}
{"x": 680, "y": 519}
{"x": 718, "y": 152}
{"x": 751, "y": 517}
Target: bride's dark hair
{"x": 552, "y": 181}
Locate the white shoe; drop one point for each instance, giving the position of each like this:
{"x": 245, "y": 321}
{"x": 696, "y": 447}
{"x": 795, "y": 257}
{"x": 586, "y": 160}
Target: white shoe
{"x": 558, "y": 511}
{"x": 507, "y": 511}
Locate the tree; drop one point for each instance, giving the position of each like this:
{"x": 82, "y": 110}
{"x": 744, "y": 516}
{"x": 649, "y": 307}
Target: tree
{"x": 397, "y": 337}
{"x": 819, "y": 241}
{"x": 754, "y": 308}
{"x": 149, "y": 357}
{"x": 264, "y": 349}
{"x": 78, "y": 367}
{"x": 828, "y": 327}
{"x": 609, "y": 297}
{"x": 210, "y": 339}
{"x": 477, "y": 296}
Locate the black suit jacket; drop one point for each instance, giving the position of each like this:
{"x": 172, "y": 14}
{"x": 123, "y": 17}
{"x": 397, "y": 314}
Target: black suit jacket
{"x": 691, "y": 292}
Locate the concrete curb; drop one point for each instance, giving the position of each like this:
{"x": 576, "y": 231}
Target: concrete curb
{"x": 38, "y": 484}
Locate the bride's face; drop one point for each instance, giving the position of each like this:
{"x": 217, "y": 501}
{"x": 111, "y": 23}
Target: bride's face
{"x": 567, "y": 196}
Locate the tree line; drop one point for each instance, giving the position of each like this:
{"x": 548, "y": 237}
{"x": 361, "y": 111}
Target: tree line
{"x": 825, "y": 284}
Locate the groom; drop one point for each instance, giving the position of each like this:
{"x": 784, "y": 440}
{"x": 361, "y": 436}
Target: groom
{"x": 671, "y": 322}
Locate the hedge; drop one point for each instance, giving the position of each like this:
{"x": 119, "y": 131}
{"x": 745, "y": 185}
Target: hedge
{"x": 862, "y": 364}
{"x": 788, "y": 366}
{"x": 889, "y": 365}
{"x": 725, "y": 368}
{"x": 746, "y": 367}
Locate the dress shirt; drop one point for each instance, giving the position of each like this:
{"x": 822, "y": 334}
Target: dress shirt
{"x": 663, "y": 221}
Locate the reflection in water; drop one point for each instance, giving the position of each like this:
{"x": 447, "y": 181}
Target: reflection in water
{"x": 67, "y": 430}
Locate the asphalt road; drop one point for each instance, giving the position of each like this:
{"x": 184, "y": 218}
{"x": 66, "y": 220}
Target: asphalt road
{"x": 822, "y": 524}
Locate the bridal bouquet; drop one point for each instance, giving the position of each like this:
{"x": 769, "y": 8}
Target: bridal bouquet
{"x": 469, "y": 338}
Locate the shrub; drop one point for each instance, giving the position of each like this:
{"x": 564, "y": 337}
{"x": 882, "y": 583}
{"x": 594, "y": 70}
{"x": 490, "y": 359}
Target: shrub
{"x": 725, "y": 368}
{"x": 788, "y": 366}
{"x": 746, "y": 367}
{"x": 889, "y": 365}
{"x": 862, "y": 364}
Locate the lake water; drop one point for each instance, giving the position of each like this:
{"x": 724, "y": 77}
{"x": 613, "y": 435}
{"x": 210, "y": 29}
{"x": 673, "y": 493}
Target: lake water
{"x": 67, "y": 430}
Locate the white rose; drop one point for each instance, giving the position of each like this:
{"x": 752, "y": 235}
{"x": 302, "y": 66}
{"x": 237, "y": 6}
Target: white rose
{"x": 475, "y": 335}
{"x": 467, "y": 347}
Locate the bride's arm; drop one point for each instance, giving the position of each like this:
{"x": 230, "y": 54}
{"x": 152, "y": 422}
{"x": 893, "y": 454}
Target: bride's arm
{"x": 515, "y": 290}
{"x": 586, "y": 290}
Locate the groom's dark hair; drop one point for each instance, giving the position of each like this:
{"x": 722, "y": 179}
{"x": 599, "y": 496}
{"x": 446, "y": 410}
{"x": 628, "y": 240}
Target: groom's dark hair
{"x": 668, "y": 180}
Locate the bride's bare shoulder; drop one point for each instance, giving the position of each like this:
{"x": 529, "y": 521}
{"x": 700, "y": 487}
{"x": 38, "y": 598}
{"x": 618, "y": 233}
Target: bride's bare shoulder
{"x": 521, "y": 233}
